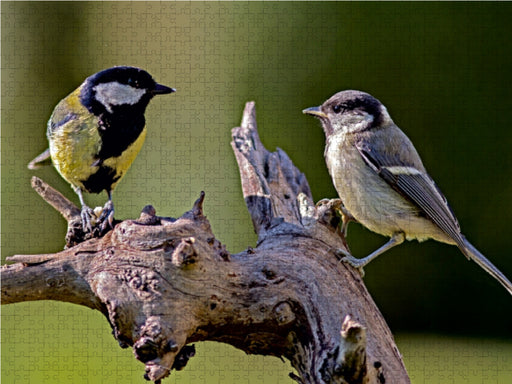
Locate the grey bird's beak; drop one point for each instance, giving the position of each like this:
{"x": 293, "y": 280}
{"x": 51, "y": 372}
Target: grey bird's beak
{"x": 315, "y": 111}
{"x": 162, "y": 90}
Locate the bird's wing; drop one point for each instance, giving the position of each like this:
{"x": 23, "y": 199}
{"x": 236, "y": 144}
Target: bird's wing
{"x": 416, "y": 186}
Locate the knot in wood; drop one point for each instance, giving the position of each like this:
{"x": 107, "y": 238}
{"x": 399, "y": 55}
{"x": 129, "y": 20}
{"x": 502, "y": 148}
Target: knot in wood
{"x": 145, "y": 349}
{"x": 184, "y": 254}
{"x": 148, "y": 216}
{"x": 144, "y": 282}
{"x": 152, "y": 342}
{"x": 283, "y": 313}
{"x": 54, "y": 282}
{"x": 328, "y": 212}
{"x": 161, "y": 348}
{"x": 352, "y": 331}
{"x": 347, "y": 363}
{"x": 171, "y": 346}
{"x": 152, "y": 327}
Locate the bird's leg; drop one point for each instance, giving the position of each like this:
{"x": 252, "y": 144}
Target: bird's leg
{"x": 87, "y": 213}
{"x": 396, "y": 239}
{"x": 346, "y": 217}
{"x": 107, "y": 214}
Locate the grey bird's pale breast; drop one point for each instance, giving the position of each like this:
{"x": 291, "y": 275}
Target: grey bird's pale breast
{"x": 370, "y": 199}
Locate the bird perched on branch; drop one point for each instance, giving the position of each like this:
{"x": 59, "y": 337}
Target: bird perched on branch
{"x": 382, "y": 182}
{"x": 96, "y": 132}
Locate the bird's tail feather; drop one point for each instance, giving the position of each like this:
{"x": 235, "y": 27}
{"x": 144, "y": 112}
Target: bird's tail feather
{"x": 41, "y": 160}
{"x": 474, "y": 254}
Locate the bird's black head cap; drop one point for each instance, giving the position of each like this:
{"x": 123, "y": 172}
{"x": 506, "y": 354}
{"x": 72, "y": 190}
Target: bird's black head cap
{"x": 355, "y": 101}
{"x": 349, "y": 111}
{"x": 118, "y": 97}
{"x": 120, "y": 87}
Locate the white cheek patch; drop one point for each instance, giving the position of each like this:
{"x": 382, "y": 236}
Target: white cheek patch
{"x": 114, "y": 93}
{"x": 357, "y": 122}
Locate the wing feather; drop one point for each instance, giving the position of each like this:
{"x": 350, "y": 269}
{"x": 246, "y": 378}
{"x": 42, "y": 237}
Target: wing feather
{"x": 417, "y": 187}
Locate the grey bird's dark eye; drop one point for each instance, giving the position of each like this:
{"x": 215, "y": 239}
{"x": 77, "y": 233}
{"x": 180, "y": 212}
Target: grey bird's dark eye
{"x": 337, "y": 108}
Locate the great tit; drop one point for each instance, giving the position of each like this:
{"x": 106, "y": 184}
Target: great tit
{"x": 382, "y": 182}
{"x": 96, "y": 132}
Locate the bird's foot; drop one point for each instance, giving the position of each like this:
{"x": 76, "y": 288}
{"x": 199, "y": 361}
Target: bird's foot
{"x": 346, "y": 257}
{"x": 99, "y": 220}
{"x": 106, "y": 218}
{"x": 88, "y": 218}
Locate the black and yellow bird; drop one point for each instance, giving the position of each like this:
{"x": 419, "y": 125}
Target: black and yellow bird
{"x": 96, "y": 132}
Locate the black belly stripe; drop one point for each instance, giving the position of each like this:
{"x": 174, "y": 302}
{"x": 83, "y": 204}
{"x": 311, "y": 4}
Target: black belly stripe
{"x": 100, "y": 181}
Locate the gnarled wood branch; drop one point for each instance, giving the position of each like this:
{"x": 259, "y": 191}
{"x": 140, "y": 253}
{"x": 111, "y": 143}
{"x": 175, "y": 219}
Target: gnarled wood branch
{"x": 165, "y": 283}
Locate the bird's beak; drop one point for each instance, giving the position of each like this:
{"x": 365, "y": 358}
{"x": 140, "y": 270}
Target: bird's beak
{"x": 162, "y": 90}
{"x": 315, "y": 111}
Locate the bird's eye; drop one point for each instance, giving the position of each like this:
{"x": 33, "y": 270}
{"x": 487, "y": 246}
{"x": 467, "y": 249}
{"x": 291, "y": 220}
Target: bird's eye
{"x": 337, "y": 108}
{"x": 133, "y": 83}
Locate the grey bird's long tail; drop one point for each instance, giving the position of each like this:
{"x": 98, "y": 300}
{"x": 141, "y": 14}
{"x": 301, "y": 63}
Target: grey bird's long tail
{"x": 474, "y": 254}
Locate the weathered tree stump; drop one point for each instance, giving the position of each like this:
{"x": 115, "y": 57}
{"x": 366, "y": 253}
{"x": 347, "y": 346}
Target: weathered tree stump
{"x": 165, "y": 283}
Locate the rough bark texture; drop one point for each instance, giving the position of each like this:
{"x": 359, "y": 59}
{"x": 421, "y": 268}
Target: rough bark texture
{"x": 164, "y": 283}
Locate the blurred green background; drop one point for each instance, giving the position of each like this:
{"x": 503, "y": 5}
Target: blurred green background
{"x": 442, "y": 69}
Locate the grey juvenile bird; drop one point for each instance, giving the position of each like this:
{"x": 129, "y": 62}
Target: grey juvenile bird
{"x": 382, "y": 182}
